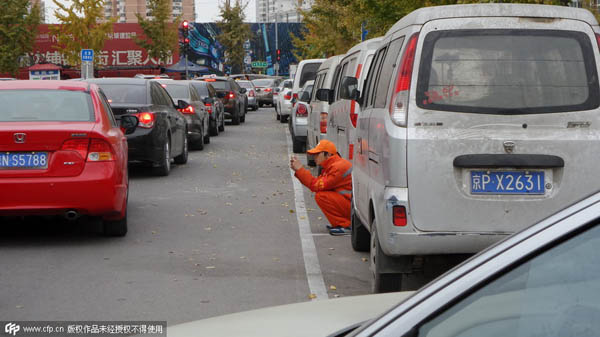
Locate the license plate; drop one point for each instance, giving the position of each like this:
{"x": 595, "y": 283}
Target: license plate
{"x": 28, "y": 160}
{"x": 507, "y": 182}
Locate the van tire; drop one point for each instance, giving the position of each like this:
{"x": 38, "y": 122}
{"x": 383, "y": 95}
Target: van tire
{"x": 381, "y": 282}
{"x": 283, "y": 119}
{"x": 298, "y": 145}
{"x": 361, "y": 238}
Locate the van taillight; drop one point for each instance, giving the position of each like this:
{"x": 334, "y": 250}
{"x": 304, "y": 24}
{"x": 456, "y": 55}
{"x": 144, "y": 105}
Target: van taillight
{"x": 146, "y": 119}
{"x": 302, "y": 111}
{"x": 100, "y": 150}
{"x": 399, "y": 215}
{"x": 399, "y": 103}
{"x": 78, "y": 145}
{"x": 231, "y": 95}
{"x": 323, "y": 122}
{"x": 353, "y": 114}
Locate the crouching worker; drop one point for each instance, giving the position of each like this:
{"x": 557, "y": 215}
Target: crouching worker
{"x": 333, "y": 187}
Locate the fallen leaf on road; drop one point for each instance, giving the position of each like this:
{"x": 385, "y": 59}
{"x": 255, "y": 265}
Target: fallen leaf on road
{"x": 336, "y": 295}
{"x": 302, "y": 217}
{"x": 153, "y": 232}
{"x": 364, "y": 259}
{"x": 312, "y": 296}
{"x": 333, "y": 287}
{"x": 291, "y": 211}
{"x": 276, "y": 259}
{"x": 320, "y": 218}
{"x": 228, "y": 204}
{"x": 210, "y": 267}
{"x": 197, "y": 264}
{"x": 331, "y": 248}
{"x": 242, "y": 257}
{"x": 20, "y": 307}
{"x": 207, "y": 228}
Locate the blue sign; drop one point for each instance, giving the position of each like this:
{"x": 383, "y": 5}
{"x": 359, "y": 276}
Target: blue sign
{"x": 87, "y": 55}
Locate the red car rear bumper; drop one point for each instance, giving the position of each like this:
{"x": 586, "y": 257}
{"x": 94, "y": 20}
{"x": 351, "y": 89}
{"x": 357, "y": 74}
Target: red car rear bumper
{"x": 97, "y": 191}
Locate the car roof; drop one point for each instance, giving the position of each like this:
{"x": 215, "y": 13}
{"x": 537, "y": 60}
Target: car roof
{"x": 365, "y": 45}
{"x": 46, "y": 84}
{"x": 119, "y": 80}
{"x": 425, "y": 14}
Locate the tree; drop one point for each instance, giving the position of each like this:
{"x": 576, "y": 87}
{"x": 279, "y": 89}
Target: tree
{"x": 18, "y": 28}
{"x": 161, "y": 32}
{"x": 234, "y": 33}
{"x": 83, "y": 26}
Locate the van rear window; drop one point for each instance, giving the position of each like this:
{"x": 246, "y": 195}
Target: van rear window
{"x": 309, "y": 72}
{"x": 507, "y": 72}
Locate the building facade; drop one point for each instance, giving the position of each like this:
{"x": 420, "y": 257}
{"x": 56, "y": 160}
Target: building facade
{"x": 42, "y": 5}
{"x": 125, "y": 10}
{"x": 281, "y": 10}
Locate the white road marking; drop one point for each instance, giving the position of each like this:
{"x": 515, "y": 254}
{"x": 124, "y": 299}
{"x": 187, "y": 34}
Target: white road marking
{"x": 316, "y": 284}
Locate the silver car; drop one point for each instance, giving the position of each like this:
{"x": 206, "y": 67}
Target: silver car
{"x": 283, "y": 104}
{"x": 250, "y": 92}
{"x": 475, "y": 121}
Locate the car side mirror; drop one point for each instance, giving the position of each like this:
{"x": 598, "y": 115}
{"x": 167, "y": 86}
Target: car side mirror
{"x": 181, "y": 104}
{"x": 349, "y": 89}
{"x": 208, "y": 100}
{"x": 243, "y": 90}
{"x": 128, "y": 124}
{"x": 323, "y": 95}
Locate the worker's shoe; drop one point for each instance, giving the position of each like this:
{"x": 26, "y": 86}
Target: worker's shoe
{"x": 338, "y": 231}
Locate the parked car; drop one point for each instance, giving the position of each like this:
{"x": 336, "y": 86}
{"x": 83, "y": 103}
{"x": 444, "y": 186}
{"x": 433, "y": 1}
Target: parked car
{"x": 283, "y": 104}
{"x": 542, "y": 281}
{"x": 250, "y": 92}
{"x": 343, "y": 114}
{"x": 306, "y": 70}
{"x": 456, "y": 148}
{"x": 213, "y": 105}
{"x": 161, "y": 134}
{"x": 321, "y": 99}
{"x": 195, "y": 113}
{"x": 299, "y": 118}
{"x": 264, "y": 90}
{"x": 63, "y": 153}
{"x": 151, "y": 76}
{"x": 231, "y": 94}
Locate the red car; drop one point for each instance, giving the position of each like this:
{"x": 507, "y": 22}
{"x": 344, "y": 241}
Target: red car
{"x": 63, "y": 153}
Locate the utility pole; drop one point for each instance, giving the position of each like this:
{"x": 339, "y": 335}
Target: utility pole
{"x": 276, "y": 46}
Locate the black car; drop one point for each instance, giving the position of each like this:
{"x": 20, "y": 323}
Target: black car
{"x": 161, "y": 132}
{"x": 195, "y": 114}
{"x": 213, "y": 105}
{"x": 232, "y": 95}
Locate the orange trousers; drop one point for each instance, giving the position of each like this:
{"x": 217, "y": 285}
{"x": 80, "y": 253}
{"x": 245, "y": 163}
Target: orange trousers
{"x": 335, "y": 207}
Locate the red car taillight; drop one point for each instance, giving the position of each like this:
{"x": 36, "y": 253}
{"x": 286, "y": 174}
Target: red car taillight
{"x": 268, "y": 89}
{"x": 94, "y": 150}
{"x": 78, "y": 145}
{"x": 146, "y": 119}
{"x": 399, "y": 216}
{"x": 302, "y": 111}
{"x": 399, "y": 103}
{"x": 231, "y": 95}
{"x": 187, "y": 111}
{"x": 287, "y": 96}
{"x": 251, "y": 93}
{"x": 323, "y": 122}
{"x": 208, "y": 107}
{"x": 100, "y": 150}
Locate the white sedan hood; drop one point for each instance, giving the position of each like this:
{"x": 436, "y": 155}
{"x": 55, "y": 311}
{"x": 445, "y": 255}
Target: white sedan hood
{"x": 316, "y": 318}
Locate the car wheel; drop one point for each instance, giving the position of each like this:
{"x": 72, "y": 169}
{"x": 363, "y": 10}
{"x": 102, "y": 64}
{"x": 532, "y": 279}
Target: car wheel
{"x": 283, "y": 119}
{"x": 298, "y": 145}
{"x": 222, "y": 126}
{"x": 214, "y": 129}
{"x": 235, "y": 119}
{"x": 164, "y": 167}
{"x": 183, "y": 157}
{"x": 381, "y": 283}
{"x": 260, "y": 105}
{"x": 116, "y": 227}
{"x": 361, "y": 238}
{"x": 277, "y": 116}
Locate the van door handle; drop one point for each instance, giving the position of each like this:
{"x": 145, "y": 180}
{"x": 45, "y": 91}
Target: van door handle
{"x": 508, "y": 160}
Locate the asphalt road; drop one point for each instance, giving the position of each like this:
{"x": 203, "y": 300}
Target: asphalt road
{"x": 219, "y": 235}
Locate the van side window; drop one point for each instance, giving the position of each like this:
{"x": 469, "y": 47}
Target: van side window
{"x": 388, "y": 69}
{"x": 340, "y": 73}
{"x": 371, "y": 79}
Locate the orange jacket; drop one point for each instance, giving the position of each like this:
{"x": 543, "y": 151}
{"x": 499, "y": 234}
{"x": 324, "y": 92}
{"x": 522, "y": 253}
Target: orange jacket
{"x": 336, "y": 176}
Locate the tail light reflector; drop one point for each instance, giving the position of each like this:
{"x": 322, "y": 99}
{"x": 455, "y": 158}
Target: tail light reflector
{"x": 78, "y": 145}
{"x": 208, "y": 107}
{"x": 399, "y": 103}
{"x": 350, "y": 151}
{"x": 399, "y": 216}
{"x": 187, "y": 111}
{"x": 302, "y": 111}
{"x": 353, "y": 114}
{"x": 231, "y": 95}
{"x": 100, "y": 150}
{"x": 146, "y": 119}
{"x": 323, "y": 122}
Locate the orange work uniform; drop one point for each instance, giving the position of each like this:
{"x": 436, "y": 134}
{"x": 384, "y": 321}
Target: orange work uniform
{"x": 333, "y": 189}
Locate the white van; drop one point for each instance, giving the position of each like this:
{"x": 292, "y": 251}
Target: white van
{"x": 306, "y": 71}
{"x": 343, "y": 113}
{"x": 321, "y": 99}
{"x": 476, "y": 121}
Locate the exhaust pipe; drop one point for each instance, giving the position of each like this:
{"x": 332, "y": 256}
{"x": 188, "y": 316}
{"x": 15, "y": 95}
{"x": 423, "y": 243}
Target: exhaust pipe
{"x": 71, "y": 215}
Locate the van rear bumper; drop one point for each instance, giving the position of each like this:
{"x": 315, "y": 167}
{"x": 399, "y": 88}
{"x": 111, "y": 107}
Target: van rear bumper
{"x": 408, "y": 240}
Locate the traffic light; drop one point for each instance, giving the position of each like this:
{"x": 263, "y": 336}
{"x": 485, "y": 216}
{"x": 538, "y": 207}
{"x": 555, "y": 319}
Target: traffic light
{"x": 278, "y": 55}
{"x": 185, "y": 41}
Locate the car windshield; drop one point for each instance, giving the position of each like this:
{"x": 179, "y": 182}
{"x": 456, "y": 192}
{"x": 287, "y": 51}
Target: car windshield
{"x": 201, "y": 88}
{"x": 177, "y": 91}
{"x": 507, "y": 72}
{"x": 245, "y": 84}
{"x": 125, "y": 93}
{"x": 263, "y": 83}
{"x": 221, "y": 85}
{"x": 45, "y": 105}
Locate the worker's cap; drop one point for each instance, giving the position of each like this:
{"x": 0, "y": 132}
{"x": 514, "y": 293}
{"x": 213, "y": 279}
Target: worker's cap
{"x": 323, "y": 146}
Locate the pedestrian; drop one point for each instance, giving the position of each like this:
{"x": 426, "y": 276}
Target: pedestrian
{"x": 333, "y": 187}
